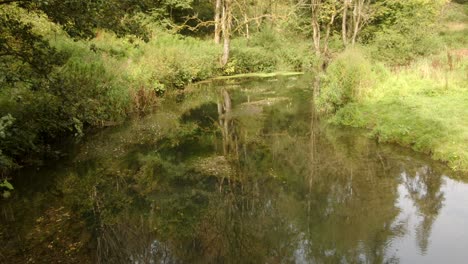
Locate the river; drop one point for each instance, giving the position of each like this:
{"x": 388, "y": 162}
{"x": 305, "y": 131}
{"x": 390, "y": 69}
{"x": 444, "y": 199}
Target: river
{"x": 236, "y": 171}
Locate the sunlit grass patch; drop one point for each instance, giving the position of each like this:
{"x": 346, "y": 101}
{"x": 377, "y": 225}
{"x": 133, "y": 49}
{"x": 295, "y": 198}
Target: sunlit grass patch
{"x": 423, "y": 107}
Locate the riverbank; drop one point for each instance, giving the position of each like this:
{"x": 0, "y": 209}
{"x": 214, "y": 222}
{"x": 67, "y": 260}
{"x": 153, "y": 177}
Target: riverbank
{"x": 99, "y": 82}
{"x": 428, "y": 114}
{"x": 423, "y": 105}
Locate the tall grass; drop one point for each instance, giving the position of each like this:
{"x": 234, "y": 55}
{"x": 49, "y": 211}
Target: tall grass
{"x": 423, "y": 106}
{"x": 419, "y": 102}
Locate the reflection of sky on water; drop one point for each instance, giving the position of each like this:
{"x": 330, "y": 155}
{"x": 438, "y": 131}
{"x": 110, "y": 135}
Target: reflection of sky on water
{"x": 448, "y": 236}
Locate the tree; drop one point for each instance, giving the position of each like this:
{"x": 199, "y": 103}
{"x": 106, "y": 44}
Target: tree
{"x": 217, "y": 19}
{"x": 81, "y": 18}
{"x": 360, "y": 16}
{"x": 323, "y": 14}
{"x": 395, "y": 32}
{"x": 25, "y": 57}
{"x": 344, "y": 26}
{"x": 223, "y": 27}
{"x": 316, "y": 8}
{"x": 226, "y": 25}
{"x": 355, "y": 14}
{"x": 229, "y": 13}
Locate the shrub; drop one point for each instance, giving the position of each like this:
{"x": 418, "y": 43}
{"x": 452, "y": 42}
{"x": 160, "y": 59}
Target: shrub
{"x": 175, "y": 61}
{"x": 347, "y": 79}
{"x": 90, "y": 91}
{"x": 396, "y": 48}
{"x": 268, "y": 51}
{"x": 395, "y": 35}
{"x": 6, "y": 162}
{"x": 250, "y": 59}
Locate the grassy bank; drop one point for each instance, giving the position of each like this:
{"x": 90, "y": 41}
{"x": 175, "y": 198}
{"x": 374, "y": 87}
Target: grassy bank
{"x": 422, "y": 105}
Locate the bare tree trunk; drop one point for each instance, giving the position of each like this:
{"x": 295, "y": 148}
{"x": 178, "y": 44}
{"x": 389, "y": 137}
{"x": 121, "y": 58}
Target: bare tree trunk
{"x": 328, "y": 30}
{"x": 361, "y": 15}
{"x": 356, "y": 20}
{"x": 217, "y": 18}
{"x": 316, "y": 37}
{"x": 226, "y": 26}
{"x": 344, "y": 23}
{"x": 246, "y": 21}
{"x": 315, "y": 6}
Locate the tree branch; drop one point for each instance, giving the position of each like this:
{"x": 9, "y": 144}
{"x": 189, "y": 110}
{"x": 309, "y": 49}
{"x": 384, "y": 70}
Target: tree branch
{"x": 200, "y": 24}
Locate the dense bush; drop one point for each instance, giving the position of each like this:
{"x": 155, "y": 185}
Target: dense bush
{"x": 176, "y": 61}
{"x": 90, "y": 93}
{"x": 268, "y": 51}
{"x": 250, "y": 59}
{"x": 396, "y": 48}
{"x": 403, "y": 30}
{"x": 347, "y": 79}
{"x": 82, "y": 94}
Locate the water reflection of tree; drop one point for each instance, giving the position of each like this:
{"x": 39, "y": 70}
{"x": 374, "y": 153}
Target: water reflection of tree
{"x": 349, "y": 205}
{"x": 239, "y": 226}
{"x": 230, "y": 140}
{"x": 298, "y": 192}
{"x": 104, "y": 198}
{"x": 353, "y": 204}
{"x": 287, "y": 141}
{"x": 424, "y": 188}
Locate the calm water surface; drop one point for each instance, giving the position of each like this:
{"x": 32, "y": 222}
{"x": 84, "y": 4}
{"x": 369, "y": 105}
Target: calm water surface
{"x": 236, "y": 172}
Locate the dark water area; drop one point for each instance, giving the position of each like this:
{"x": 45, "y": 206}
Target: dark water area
{"x": 236, "y": 172}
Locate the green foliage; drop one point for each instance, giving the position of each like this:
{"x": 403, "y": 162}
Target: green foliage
{"x": 455, "y": 38}
{"x": 267, "y": 38}
{"x": 7, "y": 188}
{"x": 454, "y": 28}
{"x": 26, "y": 59}
{"x": 348, "y": 79}
{"x": 424, "y": 104}
{"x": 423, "y": 107}
{"x": 5, "y": 122}
{"x": 5, "y": 161}
{"x": 69, "y": 65}
{"x": 395, "y": 35}
{"x": 268, "y": 51}
{"x": 91, "y": 93}
{"x": 456, "y": 12}
{"x": 84, "y": 92}
{"x": 167, "y": 61}
{"x": 177, "y": 61}
{"x": 250, "y": 59}
{"x": 6, "y": 184}
{"x": 81, "y": 18}
{"x": 392, "y": 46}
{"x": 92, "y": 83}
